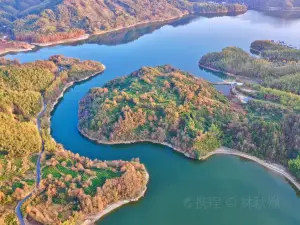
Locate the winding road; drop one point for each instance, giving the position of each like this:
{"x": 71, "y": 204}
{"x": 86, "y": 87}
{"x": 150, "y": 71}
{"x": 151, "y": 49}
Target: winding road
{"x": 38, "y": 168}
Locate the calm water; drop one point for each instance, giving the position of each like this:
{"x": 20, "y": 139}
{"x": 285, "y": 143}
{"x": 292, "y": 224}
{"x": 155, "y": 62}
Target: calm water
{"x": 223, "y": 190}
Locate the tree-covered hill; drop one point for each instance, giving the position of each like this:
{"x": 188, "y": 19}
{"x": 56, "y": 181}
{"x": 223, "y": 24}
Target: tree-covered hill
{"x": 160, "y": 104}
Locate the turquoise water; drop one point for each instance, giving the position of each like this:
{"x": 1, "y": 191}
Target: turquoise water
{"x": 223, "y": 190}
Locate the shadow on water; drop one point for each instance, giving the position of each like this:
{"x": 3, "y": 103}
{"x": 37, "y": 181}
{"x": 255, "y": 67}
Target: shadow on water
{"x": 220, "y": 75}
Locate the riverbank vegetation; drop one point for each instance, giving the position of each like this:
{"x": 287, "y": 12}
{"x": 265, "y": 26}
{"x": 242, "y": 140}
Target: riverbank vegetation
{"x": 28, "y": 94}
{"x": 158, "y": 104}
{"x": 270, "y": 129}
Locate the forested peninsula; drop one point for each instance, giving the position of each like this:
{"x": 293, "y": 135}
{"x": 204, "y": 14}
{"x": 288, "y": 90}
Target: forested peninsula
{"x": 162, "y": 105}
{"x": 44, "y": 22}
{"x": 57, "y": 185}
{"x": 271, "y": 128}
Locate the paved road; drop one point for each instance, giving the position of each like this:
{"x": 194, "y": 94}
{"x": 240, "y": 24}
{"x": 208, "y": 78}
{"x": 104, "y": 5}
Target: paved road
{"x": 38, "y": 169}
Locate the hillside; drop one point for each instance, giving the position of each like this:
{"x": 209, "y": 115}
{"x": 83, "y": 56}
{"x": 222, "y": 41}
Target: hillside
{"x": 10, "y": 10}
{"x": 66, "y": 19}
{"x": 161, "y": 105}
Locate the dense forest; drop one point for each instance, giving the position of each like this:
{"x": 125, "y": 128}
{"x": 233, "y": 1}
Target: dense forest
{"x": 24, "y": 89}
{"x": 269, "y": 131}
{"x": 271, "y": 127}
{"x": 158, "y": 104}
{"x": 54, "y": 20}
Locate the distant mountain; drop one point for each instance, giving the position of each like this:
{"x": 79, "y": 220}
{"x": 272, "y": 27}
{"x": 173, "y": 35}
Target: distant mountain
{"x": 46, "y": 21}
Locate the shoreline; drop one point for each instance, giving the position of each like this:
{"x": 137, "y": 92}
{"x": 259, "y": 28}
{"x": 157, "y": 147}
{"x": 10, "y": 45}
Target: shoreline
{"x": 80, "y": 38}
{"x": 134, "y": 142}
{"x": 16, "y": 50}
{"x": 237, "y": 77}
{"x": 89, "y": 220}
{"x": 217, "y": 71}
{"x": 99, "y": 33}
{"x": 67, "y": 86}
{"x": 279, "y": 169}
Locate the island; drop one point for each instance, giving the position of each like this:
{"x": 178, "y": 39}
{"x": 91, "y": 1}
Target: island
{"x": 270, "y": 129}
{"x": 44, "y": 22}
{"x": 40, "y": 181}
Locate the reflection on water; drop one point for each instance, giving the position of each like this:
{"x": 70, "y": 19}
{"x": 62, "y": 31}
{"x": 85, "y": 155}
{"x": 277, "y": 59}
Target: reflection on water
{"x": 131, "y": 34}
{"x": 128, "y": 35}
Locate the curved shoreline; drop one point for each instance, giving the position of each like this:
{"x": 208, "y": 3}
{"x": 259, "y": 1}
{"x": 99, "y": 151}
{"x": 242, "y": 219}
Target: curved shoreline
{"x": 218, "y": 71}
{"x": 279, "y": 169}
{"x": 226, "y": 73}
{"x": 92, "y": 219}
{"x": 70, "y": 84}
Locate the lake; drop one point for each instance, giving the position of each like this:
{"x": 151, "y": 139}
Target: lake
{"x": 222, "y": 190}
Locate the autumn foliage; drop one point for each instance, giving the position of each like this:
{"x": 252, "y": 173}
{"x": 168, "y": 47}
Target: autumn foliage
{"x": 74, "y": 185}
{"x": 158, "y": 104}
